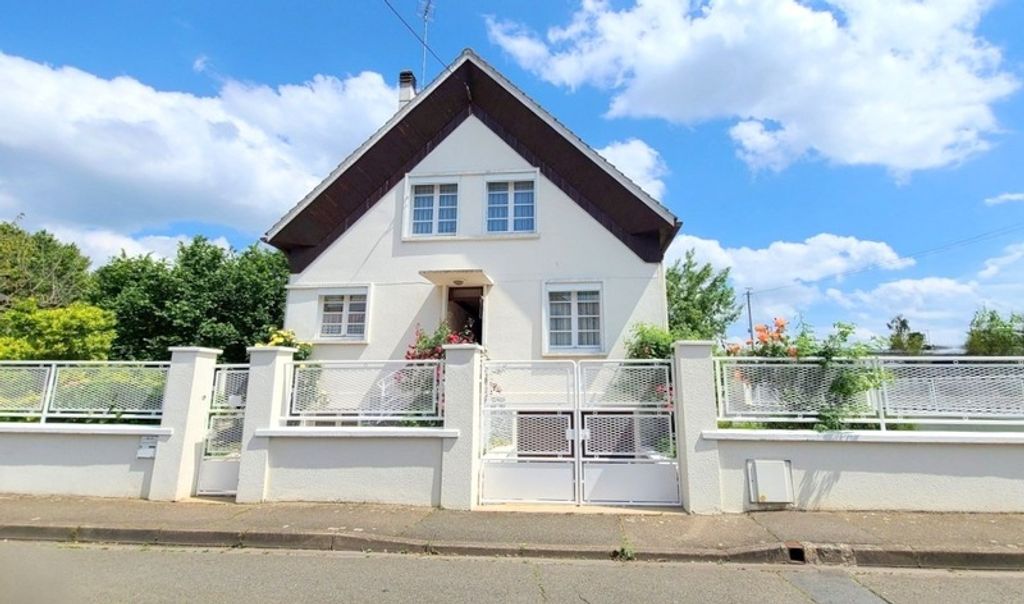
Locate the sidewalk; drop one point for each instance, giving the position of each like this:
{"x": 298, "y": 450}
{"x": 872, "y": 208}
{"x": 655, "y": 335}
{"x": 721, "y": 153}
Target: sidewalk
{"x": 978, "y": 541}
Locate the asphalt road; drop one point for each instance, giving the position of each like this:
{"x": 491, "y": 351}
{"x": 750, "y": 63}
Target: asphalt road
{"x": 53, "y": 572}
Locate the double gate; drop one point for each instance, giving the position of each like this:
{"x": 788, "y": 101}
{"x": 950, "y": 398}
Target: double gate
{"x": 590, "y": 432}
{"x": 218, "y": 470}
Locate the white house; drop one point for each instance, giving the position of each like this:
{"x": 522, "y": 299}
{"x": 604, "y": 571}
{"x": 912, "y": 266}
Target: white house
{"x": 475, "y": 206}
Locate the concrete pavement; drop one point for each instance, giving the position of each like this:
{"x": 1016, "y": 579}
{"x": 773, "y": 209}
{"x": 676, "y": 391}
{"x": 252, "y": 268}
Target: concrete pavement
{"x": 57, "y": 572}
{"x": 979, "y": 541}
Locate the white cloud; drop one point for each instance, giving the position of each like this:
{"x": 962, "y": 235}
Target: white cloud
{"x": 785, "y": 273}
{"x": 118, "y": 155}
{"x": 905, "y": 84}
{"x": 1011, "y": 255}
{"x": 1004, "y": 198}
{"x": 100, "y": 245}
{"x": 200, "y": 64}
{"x": 640, "y": 162}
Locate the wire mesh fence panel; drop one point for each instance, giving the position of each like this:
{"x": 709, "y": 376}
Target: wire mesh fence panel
{"x": 373, "y": 389}
{"x": 629, "y": 435}
{"x": 625, "y": 384}
{"x": 110, "y": 390}
{"x": 230, "y": 385}
{"x": 549, "y": 385}
{"x": 23, "y": 389}
{"x": 224, "y": 435}
{"x": 953, "y": 389}
{"x": 784, "y": 388}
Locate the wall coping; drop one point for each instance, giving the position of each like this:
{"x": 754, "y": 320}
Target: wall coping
{"x": 198, "y": 349}
{"x": 94, "y": 429}
{"x": 357, "y": 432}
{"x": 869, "y": 436}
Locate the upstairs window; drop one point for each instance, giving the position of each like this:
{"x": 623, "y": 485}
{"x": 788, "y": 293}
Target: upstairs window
{"x": 510, "y": 207}
{"x": 574, "y": 317}
{"x": 435, "y": 209}
{"x": 343, "y": 316}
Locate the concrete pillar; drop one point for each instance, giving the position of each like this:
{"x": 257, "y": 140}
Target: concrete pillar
{"x": 186, "y": 411}
{"x": 696, "y": 411}
{"x": 460, "y": 458}
{"x": 265, "y": 405}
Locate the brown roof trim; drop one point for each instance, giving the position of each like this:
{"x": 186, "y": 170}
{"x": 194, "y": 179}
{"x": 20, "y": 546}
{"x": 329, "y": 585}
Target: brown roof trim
{"x": 467, "y": 90}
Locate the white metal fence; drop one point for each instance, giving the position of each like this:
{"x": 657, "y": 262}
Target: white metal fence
{"x": 106, "y": 390}
{"x": 921, "y": 390}
{"x": 367, "y": 391}
{"x": 227, "y": 411}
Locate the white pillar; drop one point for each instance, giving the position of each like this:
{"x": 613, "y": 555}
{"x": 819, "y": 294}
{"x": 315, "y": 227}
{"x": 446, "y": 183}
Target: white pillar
{"x": 460, "y": 458}
{"x": 696, "y": 411}
{"x": 264, "y": 408}
{"x": 186, "y": 410}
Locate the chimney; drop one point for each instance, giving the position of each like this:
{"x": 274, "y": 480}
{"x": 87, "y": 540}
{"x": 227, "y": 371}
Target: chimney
{"x": 406, "y": 87}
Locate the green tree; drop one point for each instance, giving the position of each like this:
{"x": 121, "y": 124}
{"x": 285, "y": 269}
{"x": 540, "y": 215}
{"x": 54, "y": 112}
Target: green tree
{"x": 207, "y": 296}
{"x": 75, "y": 332}
{"x": 37, "y": 265}
{"x": 701, "y": 303}
{"x": 991, "y": 334}
{"x": 901, "y": 339}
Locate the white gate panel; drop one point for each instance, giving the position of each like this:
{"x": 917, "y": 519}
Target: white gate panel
{"x": 218, "y": 476}
{"x": 528, "y": 481}
{"x": 630, "y": 483}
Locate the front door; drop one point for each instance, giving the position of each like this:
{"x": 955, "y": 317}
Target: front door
{"x": 578, "y": 432}
{"x": 466, "y": 311}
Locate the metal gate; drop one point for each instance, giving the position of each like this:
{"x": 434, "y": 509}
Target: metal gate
{"x": 218, "y": 470}
{"x": 578, "y": 432}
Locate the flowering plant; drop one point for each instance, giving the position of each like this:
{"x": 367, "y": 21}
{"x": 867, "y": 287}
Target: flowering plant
{"x": 286, "y": 337}
{"x": 431, "y": 345}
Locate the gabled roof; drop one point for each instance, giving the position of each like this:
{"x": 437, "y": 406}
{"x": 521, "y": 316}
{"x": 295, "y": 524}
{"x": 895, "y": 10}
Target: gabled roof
{"x": 472, "y": 87}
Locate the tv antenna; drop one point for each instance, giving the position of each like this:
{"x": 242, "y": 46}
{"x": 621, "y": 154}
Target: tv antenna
{"x": 426, "y": 13}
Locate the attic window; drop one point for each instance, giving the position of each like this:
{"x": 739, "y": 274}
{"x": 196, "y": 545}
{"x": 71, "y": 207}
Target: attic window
{"x": 435, "y": 209}
{"x": 510, "y": 213}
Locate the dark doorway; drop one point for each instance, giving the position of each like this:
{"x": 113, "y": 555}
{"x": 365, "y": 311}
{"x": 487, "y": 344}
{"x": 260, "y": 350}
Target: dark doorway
{"x": 466, "y": 310}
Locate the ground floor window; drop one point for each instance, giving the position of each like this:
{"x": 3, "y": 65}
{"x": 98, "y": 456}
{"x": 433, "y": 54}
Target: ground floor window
{"x": 574, "y": 316}
{"x": 343, "y": 316}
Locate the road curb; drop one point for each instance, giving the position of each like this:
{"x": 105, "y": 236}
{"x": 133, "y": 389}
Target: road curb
{"x": 826, "y": 554}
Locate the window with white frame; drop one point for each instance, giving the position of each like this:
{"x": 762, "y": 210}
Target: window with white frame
{"x": 343, "y": 316}
{"x": 435, "y": 209}
{"x": 574, "y": 316}
{"x": 510, "y": 207}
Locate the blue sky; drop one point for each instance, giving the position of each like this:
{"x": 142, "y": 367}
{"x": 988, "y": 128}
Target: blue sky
{"x": 815, "y": 148}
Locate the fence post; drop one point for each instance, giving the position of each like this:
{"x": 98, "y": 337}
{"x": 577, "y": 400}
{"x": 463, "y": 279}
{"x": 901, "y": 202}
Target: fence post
{"x": 264, "y": 407}
{"x": 186, "y": 408}
{"x": 696, "y": 411}
{"x": 459, "y": 460}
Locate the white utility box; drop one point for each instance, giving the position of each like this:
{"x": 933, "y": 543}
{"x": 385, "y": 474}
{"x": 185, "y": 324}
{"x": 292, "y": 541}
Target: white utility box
{"x": 770, "y": 480}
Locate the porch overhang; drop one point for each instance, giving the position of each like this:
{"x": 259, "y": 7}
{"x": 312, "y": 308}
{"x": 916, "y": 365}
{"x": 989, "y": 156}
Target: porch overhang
{"x": 463, "y": 277}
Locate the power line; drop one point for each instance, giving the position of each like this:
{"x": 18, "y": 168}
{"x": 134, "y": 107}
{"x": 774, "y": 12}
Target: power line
{"x": 415, "y": 35}
{"x": 922, "y": 254}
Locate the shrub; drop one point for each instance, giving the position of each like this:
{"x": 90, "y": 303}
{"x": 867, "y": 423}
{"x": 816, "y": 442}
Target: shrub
{"x": 649, "y": 342}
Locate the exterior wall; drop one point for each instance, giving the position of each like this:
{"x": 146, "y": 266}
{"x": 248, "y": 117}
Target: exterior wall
{"x": 856, "y": 475}
{"x": 39, "y": 462}
{"x": 377, "y": 470}
{"x": 569, "y": 245}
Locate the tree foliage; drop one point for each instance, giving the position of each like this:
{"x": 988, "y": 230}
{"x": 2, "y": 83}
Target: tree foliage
{"x": 991, "y": 334}
{"x": 701, "y": 303}
{"x": 75, "y": 332}
{"x": 37, "y": 265}
{"x": 207, "y": 296}
{"x": 901, "y": 339}
{"x": 649, "y": 342}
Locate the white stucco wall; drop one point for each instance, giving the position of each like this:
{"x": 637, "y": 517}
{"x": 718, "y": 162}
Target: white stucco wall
{"x": 376, "y": 470}
{"x": 942, "y": 475}
{"x": 40, "y": 462}
{"x": 569, "y": 245}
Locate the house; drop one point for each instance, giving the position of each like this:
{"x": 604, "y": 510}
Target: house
{"x": 475, "y": 206}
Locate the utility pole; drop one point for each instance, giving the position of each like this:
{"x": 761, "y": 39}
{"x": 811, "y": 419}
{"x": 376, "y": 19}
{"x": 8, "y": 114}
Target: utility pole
{"x": 427, "y": 14}
{"x": 750, "y": 316}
